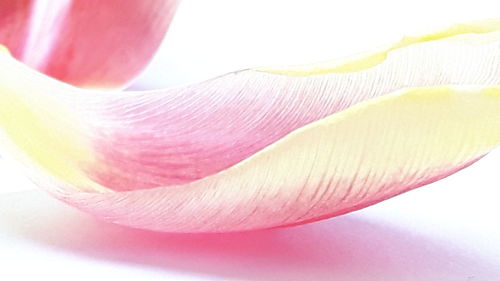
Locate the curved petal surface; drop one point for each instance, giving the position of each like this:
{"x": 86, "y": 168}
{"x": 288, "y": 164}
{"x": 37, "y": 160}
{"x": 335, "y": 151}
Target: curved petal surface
{"x": 368, "y": 153}
{"x": 254, "y": 149}
{"x": 179, "y": 135}
{"x": 90, "y": 43}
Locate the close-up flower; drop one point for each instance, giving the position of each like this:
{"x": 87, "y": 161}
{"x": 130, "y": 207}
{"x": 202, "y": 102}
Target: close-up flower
{"x": 261, "y": 148}
{"x": 273, "y": 167}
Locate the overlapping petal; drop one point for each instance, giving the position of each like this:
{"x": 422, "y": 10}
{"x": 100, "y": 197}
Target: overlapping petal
{"x": 260, "y": 148}
{"x": 89, "y": 43}
{"x": 361, "y": 156}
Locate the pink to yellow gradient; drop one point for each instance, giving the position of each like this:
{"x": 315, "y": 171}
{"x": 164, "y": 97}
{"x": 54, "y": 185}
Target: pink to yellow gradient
{"x": 259, "y": 148}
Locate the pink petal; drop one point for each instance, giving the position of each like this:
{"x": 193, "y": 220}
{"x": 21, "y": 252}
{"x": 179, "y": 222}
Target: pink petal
{"x": 175, "y": 136}
{"x": 14, "y": 19}
{"x": 254, "y": 149}
{"x": 368, "y": 153}
{"x": 91, "y": 43}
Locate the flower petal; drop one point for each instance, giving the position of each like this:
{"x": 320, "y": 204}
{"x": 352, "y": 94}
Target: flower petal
{"x": 14, "y": 19}
{"x": 365, "y": 154}
{"x": 89, "y": 43}
{"x": 365, "y": 61}
{"x": 254, "y": 149}
{"x": 179, "y": 135}
{"x": 368, "y": 153}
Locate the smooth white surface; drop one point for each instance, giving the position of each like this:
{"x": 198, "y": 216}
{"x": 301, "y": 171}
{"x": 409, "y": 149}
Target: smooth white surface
{"x": 445, "y": 231}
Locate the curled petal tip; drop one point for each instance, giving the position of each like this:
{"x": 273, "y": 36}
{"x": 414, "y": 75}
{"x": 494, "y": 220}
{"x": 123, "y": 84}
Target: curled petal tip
{"x": 92, "y": 44}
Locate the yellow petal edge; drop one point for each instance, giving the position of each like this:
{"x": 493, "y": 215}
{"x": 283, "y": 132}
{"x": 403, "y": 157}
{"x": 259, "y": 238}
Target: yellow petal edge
{"x": 39, "y": 126}
{"x": 368, "y": 60}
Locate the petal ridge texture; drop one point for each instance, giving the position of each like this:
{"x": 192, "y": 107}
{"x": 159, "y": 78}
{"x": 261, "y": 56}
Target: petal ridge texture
{"x": 254, "y": 149}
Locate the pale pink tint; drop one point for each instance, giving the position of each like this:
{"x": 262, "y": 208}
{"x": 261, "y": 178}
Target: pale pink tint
{"x": 211, "y": 206}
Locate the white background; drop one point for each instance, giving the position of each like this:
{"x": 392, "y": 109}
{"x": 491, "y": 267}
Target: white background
{"x": 448, "y": 230}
